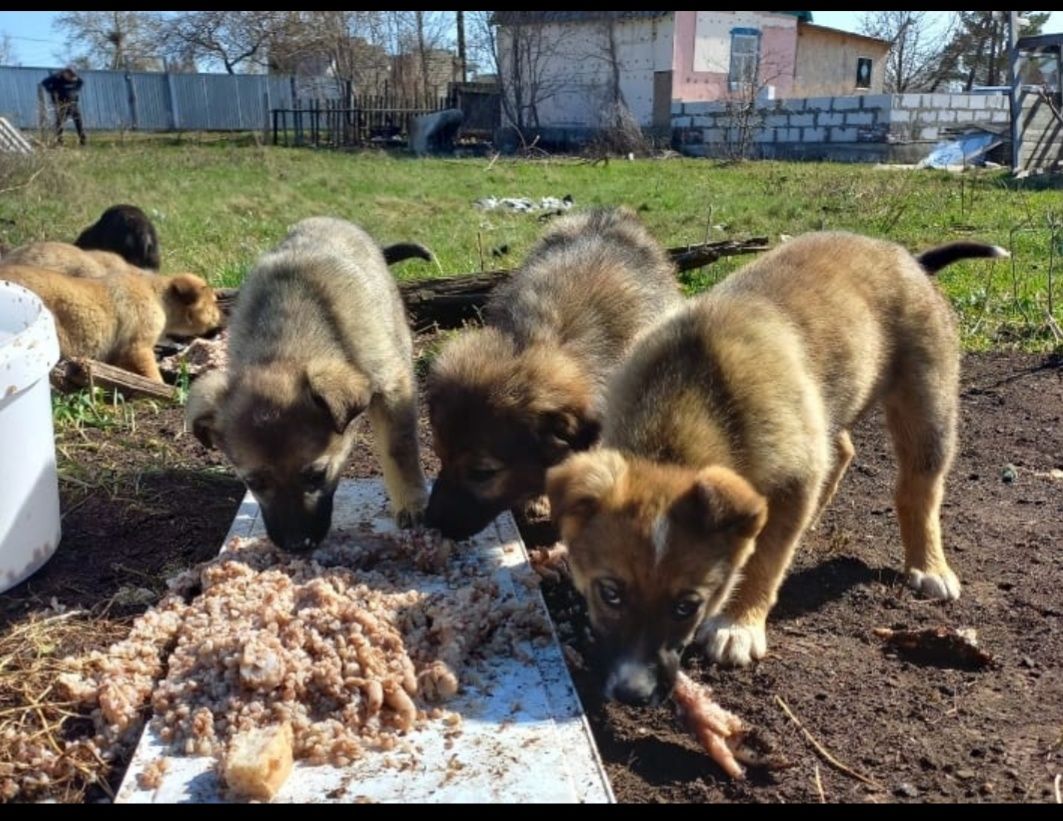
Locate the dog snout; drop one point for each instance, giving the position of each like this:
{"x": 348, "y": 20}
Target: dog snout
{"x": 296, "y": 529}
{"x": 633, "y": 682}
{"x": 455, "y": 512}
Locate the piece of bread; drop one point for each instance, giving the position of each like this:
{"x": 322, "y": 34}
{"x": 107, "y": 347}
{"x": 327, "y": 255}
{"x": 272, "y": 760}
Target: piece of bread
{"x": 259, "y": 761}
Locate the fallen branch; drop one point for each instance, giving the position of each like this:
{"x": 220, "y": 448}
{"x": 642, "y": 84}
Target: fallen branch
{"x": 72, "y": 374}
{"x": 821, "y": 750}
{"x": 447, "y": 302}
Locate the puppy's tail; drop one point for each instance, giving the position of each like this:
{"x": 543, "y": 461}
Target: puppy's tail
{"x": 406, "y": 250}
{"x": 934, "y": 259}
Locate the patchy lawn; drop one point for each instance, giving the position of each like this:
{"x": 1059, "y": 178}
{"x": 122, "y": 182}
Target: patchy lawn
{"x": 219, "y": 202}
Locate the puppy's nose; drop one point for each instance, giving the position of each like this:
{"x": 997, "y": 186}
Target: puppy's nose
{"x": 295, "y": 542}
{"x": 632, "y": 683}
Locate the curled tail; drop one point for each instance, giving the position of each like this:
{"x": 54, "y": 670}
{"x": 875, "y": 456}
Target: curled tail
{"x": 934, "y": 259}
{"x": 406, "y": 250}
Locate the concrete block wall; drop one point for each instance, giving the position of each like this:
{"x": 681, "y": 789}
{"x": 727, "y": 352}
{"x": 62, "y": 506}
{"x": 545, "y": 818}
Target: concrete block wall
{"x": 875, "y": 127}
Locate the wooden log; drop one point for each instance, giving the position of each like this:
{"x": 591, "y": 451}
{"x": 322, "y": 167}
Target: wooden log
{"x": 448, "y": 302}
{"x": 72, "y": 374}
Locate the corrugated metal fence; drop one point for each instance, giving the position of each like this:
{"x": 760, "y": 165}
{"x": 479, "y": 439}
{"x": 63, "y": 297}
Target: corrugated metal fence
{"x": 146, "y": 101}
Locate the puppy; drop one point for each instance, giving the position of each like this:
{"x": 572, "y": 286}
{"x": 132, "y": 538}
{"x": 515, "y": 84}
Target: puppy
{"x": 119, "y": 318}
{"x": 728, "y": 431}
{"x": 127, "y": 231}
{"x": 69, "y": 259}
{"x": 318, "y": 335}
{"x": 509, "y": 400}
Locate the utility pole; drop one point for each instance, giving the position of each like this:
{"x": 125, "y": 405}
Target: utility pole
{"x": 461, "y": 47}
{"x": 1014, "y": 80}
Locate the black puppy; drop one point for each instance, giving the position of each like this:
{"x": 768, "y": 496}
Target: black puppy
{"x": 127, "y": 231}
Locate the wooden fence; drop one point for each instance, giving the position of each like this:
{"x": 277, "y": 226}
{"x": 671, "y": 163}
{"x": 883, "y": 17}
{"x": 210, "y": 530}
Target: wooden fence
{"x": 361, "y": 120}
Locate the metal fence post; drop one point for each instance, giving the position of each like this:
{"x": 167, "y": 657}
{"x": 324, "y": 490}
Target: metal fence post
{"x": 132, "y": 96}
{"x": 175, "y": 117}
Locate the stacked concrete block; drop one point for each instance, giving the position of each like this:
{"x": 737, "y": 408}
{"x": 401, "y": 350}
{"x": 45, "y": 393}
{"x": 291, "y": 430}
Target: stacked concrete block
{"x": 888, "y": 121}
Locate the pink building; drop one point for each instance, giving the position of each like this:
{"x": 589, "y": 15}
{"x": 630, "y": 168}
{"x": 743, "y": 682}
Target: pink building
{"x": 563, "y": 69}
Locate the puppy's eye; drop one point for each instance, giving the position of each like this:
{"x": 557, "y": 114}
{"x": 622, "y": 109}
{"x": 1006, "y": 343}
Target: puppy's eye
{"x": 685, "y": 607}
{"x": 482, "y": 474}
{"x": 610, "y": 592}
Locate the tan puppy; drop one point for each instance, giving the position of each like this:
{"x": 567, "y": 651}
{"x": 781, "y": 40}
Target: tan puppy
{"x": 509, "y": 400}
{"x": 318, "y": 335}
{"x": 69, "y": 259}
{"x": 728, "y": 431}
{"x": 118, "y": 319}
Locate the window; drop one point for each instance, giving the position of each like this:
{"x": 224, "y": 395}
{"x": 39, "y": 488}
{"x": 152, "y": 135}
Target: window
{"x": 745, "y": 56}
{"x": 863, "y": 72}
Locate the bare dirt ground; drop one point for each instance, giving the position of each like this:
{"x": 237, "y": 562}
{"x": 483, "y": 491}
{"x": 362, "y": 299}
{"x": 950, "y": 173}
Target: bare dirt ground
{"x": 922, "y": 731}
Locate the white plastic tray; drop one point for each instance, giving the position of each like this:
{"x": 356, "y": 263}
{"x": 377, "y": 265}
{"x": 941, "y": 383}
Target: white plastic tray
{"x": 524, "y": 736}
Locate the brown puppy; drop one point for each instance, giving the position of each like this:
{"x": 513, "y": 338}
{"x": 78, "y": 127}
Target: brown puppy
{"x": 69, "y": 259}
{"x": 509, "y": 400}
{"x": 728, "y": 431}
{"x": 318, "y": 335}
{"x": 119, "y": 318}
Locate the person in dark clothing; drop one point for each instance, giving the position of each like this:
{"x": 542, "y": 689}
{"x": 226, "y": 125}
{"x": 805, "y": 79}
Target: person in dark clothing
{"x": 63, "y": 88}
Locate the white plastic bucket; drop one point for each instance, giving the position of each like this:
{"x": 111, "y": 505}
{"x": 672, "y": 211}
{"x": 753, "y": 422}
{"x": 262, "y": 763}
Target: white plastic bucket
{"x": 29, "y": 482}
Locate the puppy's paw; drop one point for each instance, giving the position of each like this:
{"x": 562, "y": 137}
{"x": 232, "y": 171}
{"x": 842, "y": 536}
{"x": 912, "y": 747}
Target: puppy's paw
{"x": 410, "y": 512}
{"x": 407, "y": 519}
{"x": 939, "y": 586}
{"x": 732, "y": 644}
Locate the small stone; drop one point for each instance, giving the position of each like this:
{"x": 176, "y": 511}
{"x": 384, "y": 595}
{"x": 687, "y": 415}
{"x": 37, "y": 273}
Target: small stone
{"x": 1026, "y": 661}
{"x": 1056, "y": 473}
{"x": 964, "y": 775}
{"x": 1009, "y": 474}
{"x": 986, "y": 789}
{"x": 907, "y": 790}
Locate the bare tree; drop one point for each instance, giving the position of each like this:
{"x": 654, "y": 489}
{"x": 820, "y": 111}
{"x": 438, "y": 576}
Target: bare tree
{"x": 917, "y": 46}
{"x": 234, "y": 39}
{"x": 421, "y": 47}
{"x": 112, "y": 39}
{"x": 523, "y": 49}
{"x": 744, "y": 106}
{"x": 7, "y": 50}
{"x": 341, "y": 43}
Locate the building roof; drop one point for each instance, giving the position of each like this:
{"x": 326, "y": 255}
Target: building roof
{"x": 516, "y": 18}
{"x": 1040, "y": 41}
{"x": 843, "y": 33}
{"x": 510, "y": 18}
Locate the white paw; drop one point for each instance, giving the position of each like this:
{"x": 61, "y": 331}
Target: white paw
{"x": 732, "y": 644}
{"x": 942, "y": 587}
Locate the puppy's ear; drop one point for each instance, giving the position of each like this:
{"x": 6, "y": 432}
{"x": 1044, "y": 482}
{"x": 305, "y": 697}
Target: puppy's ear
{"x": 578, "y": 487}
{"x": 339, "y": 389}
{"x": 201, "y": 410}
{"x": 186, "y": 288}
{"x": 562, "y": 432}
{"x": 720, "y": 501}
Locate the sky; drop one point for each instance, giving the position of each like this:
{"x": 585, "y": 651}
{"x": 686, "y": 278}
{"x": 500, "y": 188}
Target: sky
{"x": 37, "y": 44}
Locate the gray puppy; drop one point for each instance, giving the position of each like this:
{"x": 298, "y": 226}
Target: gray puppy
{"x": 318, "y": 335}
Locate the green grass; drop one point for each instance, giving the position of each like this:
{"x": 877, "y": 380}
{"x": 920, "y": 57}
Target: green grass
{"x": 92, "y": 408}
{"x": 218, "y": 203}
